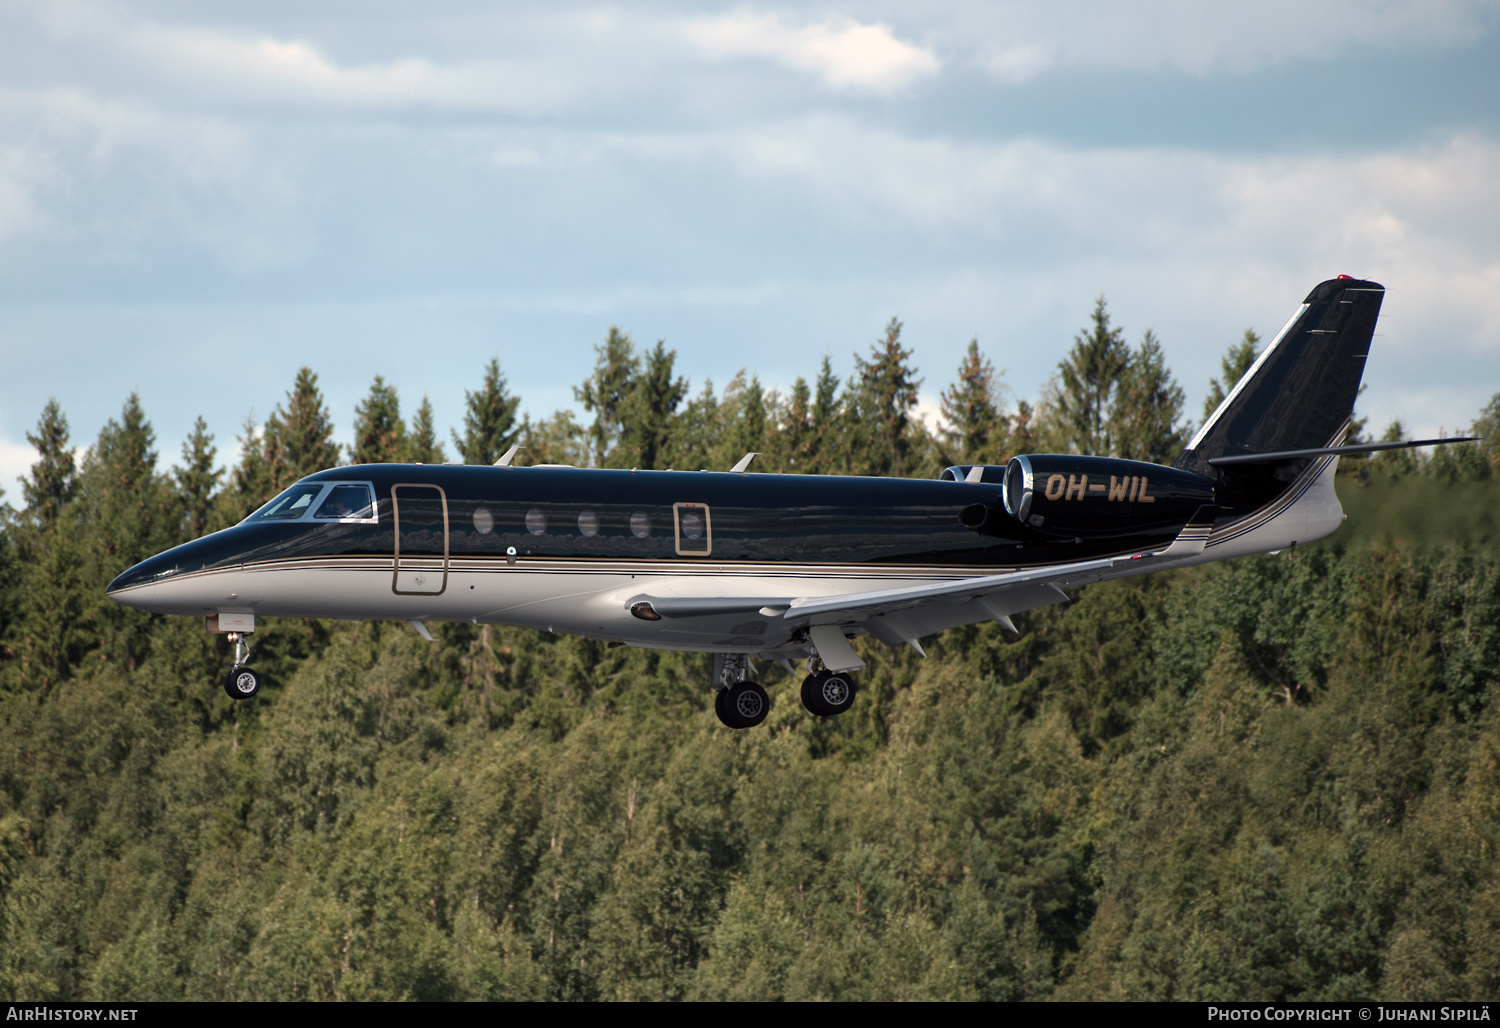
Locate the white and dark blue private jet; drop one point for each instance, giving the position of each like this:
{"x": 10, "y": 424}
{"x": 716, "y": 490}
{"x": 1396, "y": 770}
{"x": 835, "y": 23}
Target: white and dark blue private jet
{"x": 785, "y": 567}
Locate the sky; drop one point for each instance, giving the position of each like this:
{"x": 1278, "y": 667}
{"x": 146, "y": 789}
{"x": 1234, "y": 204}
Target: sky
{"x": 197, "y": 200}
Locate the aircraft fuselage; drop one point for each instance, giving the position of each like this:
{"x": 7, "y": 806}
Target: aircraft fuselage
{"x": 567, "y": 549}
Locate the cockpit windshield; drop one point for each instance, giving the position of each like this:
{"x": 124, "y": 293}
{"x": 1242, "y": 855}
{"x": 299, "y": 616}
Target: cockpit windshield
{"x": 322, "y": 501}
{"x": 289, "y": 506}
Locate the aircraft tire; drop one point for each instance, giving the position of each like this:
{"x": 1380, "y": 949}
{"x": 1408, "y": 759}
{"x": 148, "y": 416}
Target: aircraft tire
{"x": 743, "y": 706}
{"x": 242, "y": 683}
{"x": 828, "y": 693}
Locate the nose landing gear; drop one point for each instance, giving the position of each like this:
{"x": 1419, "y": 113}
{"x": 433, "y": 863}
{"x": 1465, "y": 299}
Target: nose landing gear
{"x": 241, "y": 683}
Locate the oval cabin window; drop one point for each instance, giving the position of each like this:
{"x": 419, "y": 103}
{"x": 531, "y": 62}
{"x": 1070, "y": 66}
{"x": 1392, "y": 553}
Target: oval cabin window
{"x": 484, "y": 522}
{"x": 588, "y": 523}
{"x": 536, "y": 522}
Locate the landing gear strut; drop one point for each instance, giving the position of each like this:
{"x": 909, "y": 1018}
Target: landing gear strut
{"x": 827, "y": 693}
{"x": 739, "y": 702}
{"x": 241, "y": 683}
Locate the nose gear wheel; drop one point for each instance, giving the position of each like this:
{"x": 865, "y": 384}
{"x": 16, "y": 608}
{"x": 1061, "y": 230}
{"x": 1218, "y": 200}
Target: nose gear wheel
{"x": 241, "y": 683}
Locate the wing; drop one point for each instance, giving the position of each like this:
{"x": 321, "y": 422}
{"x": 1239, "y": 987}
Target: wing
{"x": 906, "y": 614}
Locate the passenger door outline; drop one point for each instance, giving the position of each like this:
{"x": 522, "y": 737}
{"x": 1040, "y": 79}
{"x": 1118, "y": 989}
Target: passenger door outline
{"x": 418, "y": 568}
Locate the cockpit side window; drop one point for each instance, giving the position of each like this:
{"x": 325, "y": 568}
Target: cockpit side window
{"x": 347, "y": 501}
{"x": 290, "y": 505}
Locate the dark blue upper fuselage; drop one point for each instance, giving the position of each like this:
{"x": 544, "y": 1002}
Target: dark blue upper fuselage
{"x": 754, "y": 518}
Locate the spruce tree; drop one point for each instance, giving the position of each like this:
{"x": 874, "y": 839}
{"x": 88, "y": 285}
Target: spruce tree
{"x": 647, "y": 413}
{"x": 1023, "y": 429}
{"x": 745, "y": 418}
{"x": 1147, "y": 408}
{"x": 122, "y": 492}
{"x": 1079, "y": 404}
{"x": 253, "y": 479}
{"x": 697, "y": 431}
{"x": 1487, "y": 427}
{"x": 198, "y": 479}
{"x": 793, "y": 445}
{"x": 50, "y": 485}
{"x": 489, "y": 419}
{"x": 1235, "y": 362}
{"x": 971, "y": 409}
{"x": 555, "y": 440}
{"x": 1395, "y": 463}
{"x": 124, "y": 517}
{"x": 379, "y": 432}
{"x": 608, "y": 389}
{"x": 304, "y": 432}
{"x": 826, "y": 447}
{"x": 423, "y": 447}
{"x": 826, "y": 392}
{"x": 884, "y": 393}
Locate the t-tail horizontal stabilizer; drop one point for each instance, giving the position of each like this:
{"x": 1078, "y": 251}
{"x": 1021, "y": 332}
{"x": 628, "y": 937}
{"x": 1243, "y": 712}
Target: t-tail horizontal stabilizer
{"x": 1325, "y": 451}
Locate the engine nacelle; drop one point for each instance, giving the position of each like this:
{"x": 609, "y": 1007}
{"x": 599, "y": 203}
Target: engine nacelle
{"x": 1094, "y": 497}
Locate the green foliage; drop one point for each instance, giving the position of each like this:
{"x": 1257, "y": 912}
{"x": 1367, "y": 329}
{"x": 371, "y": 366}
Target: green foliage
{"x": 1147, "y": 411}
{"x": 1079, "y": 405}
{"x": 608, "y": 389}
{"x": 303, "y": 434}
{"x": 49, "y": 486}
{"x": 557, "y": 440}
{"x": 1235, "y": 362}
{"x": 1270, "y": 779}
{"x": 881, "y": 437}
{"x": 489, "y": 419}
{"x": 379, "y": 432}
{"x": 198, "y": 480}
{"x": 647, "y": 412}
{"x": 422, "y": 444}
{"x": 973, "y": 410}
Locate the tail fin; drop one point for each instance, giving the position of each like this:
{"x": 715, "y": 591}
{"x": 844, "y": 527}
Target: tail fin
{"x": 1300, "y": 393}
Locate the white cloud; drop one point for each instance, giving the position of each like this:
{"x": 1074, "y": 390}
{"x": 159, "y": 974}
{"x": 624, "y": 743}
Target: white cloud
{"x": 1016, "y": 40}
{"x": 845, "y": 53}
{"x": 15, "y": 464}
{"x": 127, "y": 176}
{"x": 200, "y": 61}
{"x": 23, "y": 173}
{"x": 267, "y": 68}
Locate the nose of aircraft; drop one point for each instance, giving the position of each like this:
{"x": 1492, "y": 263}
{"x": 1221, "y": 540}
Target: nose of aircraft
{"x": 137, "y": 586}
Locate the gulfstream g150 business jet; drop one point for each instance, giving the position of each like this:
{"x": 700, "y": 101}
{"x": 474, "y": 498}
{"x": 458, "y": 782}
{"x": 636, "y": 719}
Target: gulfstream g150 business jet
{"x": 784, "y": 567}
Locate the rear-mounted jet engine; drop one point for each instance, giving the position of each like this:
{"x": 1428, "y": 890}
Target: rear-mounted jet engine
{"x": 1100, "y": 497}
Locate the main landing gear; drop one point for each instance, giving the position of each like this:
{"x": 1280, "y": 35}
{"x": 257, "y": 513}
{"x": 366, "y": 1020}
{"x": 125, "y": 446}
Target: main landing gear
{"x": 742, "y": 703}
{"x": 828, "y": 693}
{"x": 739, "y": 702}
{"x": 241, "y": 683}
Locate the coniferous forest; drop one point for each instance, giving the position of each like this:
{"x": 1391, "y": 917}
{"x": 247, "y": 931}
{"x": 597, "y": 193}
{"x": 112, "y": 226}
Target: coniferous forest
{"x": 1272, "y": 778}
